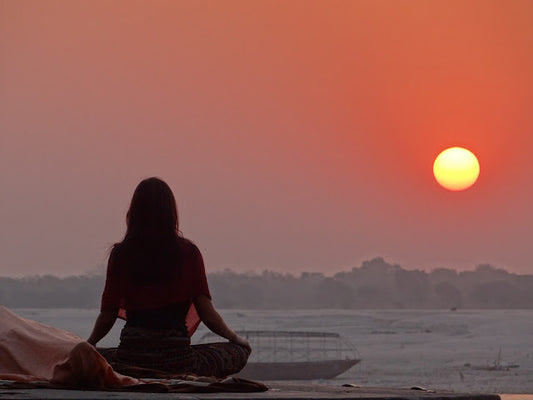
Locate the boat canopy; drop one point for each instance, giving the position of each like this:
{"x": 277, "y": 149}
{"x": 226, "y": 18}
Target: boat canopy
{"x": 299, "y": 334}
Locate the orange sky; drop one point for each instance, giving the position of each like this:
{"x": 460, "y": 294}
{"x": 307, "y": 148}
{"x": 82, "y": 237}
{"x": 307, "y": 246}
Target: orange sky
{"x": 297, "y": 135}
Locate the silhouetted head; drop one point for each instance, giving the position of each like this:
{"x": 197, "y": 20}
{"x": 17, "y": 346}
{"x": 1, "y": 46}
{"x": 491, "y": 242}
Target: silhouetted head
{"x": 150, "y": 250}
{"x": 153, "y": 210}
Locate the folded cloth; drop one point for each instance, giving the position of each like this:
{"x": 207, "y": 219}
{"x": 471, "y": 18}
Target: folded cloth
{"x": 31, "y": 351}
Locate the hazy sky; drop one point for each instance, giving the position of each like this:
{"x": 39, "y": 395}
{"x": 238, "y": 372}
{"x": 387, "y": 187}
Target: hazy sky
{"x": 296, "y": 135}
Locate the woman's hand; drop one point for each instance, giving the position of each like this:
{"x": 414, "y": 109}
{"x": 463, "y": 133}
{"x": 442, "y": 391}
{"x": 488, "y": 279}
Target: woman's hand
{"x": 242, "y": 342}
{"x": 212, "y": 319}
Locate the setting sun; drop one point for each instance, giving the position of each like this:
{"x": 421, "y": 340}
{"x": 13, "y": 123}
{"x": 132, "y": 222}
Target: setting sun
{"x": 456, "y": 169}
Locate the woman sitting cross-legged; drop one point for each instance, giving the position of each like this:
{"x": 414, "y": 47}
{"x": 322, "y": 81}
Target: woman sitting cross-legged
{"x": 156, "y": 281}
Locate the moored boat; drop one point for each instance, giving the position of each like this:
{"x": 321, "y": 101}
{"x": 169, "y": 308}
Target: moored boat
{"x": 296, "y": 355}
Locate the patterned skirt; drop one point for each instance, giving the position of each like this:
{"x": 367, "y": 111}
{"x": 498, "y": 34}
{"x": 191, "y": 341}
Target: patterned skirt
{"x": 170, "y": 351}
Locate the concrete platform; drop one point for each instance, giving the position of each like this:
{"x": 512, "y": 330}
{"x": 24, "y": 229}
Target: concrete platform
{"x": 276, "y": 391}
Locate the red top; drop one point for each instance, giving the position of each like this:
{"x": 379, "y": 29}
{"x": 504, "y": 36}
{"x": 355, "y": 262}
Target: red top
{"x": 122, "y": 293}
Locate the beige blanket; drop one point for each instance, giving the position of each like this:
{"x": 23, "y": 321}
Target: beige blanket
{"x": 31, "y": 351}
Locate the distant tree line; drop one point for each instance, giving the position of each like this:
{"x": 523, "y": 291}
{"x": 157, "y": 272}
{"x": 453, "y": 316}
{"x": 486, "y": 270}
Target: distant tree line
{"x": 375, "y": 284}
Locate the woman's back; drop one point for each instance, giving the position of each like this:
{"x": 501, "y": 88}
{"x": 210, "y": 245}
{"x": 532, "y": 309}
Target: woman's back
{"x": 162, "y": 291}
{"x": 151, "y": 258}
{"x": 171, "y": 316}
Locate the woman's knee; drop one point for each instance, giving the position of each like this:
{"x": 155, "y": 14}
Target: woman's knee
{"x": 247, "y": 351}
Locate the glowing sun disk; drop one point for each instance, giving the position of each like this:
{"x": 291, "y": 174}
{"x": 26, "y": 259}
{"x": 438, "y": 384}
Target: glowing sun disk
{"x": 456, "y": 169}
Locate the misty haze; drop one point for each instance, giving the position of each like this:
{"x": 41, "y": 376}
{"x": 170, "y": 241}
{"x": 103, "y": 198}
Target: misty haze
{"x": 298, "y": 138}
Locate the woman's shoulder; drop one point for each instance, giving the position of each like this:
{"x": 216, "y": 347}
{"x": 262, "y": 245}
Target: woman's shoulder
{"x": 187, "y": 247}
{"x": 115, "y": 250}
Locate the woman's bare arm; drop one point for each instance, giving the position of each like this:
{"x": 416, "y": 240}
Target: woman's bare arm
{"x": 212, "y": 319}
{"x": 104, "y": 323}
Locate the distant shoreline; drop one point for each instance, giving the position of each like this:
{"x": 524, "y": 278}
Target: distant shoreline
{"x": 376, "y": 284}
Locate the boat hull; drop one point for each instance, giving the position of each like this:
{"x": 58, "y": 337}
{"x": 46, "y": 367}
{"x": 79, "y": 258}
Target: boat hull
{"x": 305, "y": 370}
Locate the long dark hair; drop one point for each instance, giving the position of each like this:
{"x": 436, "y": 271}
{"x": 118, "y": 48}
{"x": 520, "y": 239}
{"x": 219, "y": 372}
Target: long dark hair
{"x": 150, "y": 250}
